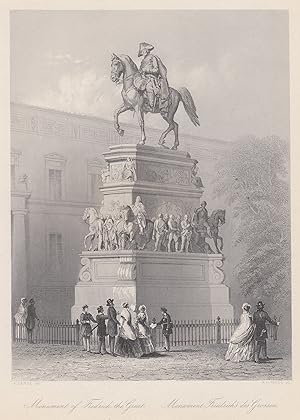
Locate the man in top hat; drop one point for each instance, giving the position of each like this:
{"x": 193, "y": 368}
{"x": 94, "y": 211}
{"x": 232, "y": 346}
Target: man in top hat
{"x": 153, "y": 76}
{"x": 112, "y": 325}
{"x": 260, "y": 317}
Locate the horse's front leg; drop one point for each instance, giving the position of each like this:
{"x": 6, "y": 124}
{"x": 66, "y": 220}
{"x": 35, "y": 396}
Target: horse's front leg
{"x": 216, "y": 244}
{"x": 91, "y": 248}
{"x": 119, "y": 111}
{"x": 222, "y": 243}
{"x": 86, "y": 237}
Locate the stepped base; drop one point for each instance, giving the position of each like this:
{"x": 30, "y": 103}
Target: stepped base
{"x": 190, "y": 285}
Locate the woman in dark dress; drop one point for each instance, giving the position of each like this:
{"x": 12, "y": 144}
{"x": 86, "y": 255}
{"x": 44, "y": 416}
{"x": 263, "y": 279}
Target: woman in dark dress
{"x": 167, "y": 326}
{"x": 30, "y": 320}
{"x": 101, "y": 329}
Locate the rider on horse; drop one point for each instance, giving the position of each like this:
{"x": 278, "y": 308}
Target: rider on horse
{"x": 200, "y": 218}
{"x": 152, "y": 77}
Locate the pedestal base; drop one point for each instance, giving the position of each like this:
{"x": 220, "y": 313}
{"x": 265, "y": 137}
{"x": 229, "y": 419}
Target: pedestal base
{"x": 190, "y": 285}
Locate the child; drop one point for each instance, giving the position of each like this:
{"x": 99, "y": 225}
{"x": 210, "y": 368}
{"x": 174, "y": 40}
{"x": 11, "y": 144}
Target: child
{"x": 101, "y": 329}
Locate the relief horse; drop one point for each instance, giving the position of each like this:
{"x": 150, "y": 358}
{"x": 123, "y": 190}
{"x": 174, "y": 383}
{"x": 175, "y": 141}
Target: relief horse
{"x": 216, "y": 219}
{"x": 91, "y": 217}
{"x": 134, "y": 100}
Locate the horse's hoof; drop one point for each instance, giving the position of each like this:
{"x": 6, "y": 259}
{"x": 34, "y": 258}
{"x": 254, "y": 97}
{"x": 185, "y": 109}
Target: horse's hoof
{"x": 164, "y": 146}
{"x": 174, "y": 148}
{"x": 141, "y": 143}
{"x": 121, "y": 132}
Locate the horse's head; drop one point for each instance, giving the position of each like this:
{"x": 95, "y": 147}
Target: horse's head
{"x": 117, "y": 68}
{"x": 89, "y": 215}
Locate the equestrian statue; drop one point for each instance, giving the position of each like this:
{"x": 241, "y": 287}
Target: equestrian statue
{"x": 147, "y": 90}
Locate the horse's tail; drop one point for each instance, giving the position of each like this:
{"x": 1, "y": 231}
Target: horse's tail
{"x": 189, "y": 105}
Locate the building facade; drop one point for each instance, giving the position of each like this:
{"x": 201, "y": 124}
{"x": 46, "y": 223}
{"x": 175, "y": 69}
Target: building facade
{"x": 56, "y": 160}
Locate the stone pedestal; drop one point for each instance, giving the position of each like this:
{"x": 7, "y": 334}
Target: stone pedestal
{"x": 163, "y": 178}
{"x": 189, "y": 285}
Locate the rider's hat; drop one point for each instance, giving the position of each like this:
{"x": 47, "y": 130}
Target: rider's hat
{"x": 144, "y": 46}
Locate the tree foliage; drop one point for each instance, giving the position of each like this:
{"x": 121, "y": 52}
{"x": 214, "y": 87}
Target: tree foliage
{"x": 253, "y": 179}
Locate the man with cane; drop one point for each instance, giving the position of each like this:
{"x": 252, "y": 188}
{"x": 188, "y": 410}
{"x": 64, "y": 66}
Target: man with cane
{"x": 86, "y": 329}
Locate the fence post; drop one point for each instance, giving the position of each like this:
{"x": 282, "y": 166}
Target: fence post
{"x": 77, "y": 329}
{"x": 218, "y": 330}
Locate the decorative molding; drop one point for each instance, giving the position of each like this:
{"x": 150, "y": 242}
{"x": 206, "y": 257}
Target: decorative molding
{"x": 127, "y": 268}
{"x": 96, "y": 162}
{"x": 85, "y": 271}
{"x": 51, "y": 122}
{"x": 55, "y": 157}
{"x": 216, "y": 274}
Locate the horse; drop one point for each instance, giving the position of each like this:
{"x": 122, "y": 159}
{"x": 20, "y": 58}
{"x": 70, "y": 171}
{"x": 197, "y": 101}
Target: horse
{"x": 217, "y": 217}
{"x": 91, "y": 217}
{"x": 134, "y": 100}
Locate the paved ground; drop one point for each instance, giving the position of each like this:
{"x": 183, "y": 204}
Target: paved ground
{"x": 41, "y": 362}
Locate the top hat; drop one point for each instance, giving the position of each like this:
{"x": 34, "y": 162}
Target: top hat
{"x": 100, "y": 308}
{"x": 125, "y": 305}
{"x": 164, "y": 309}
{"x": 31, "y": 300}
{"x": 85, "y": 306}
{"x": 109, "y": 302}
{"x": 144, "y": 46}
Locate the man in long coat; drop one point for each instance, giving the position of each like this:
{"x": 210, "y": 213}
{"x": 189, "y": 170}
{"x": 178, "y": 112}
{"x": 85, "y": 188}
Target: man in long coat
{"x": 152, "y": 76}
{"x": 112, "y": 325}
{"x": 260, "y": 317}
{"x": 30, "y": 320}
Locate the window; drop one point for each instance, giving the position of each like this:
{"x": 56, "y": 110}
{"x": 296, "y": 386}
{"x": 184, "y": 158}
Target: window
{"x": 55, "y": 177}
{"x": 55, "y": 184}
{"x": 55, "y": 250}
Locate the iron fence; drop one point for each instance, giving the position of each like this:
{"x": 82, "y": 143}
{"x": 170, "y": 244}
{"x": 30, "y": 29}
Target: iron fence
{"x": 185, "y": 333}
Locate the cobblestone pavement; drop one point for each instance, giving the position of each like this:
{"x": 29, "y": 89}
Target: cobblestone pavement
{"x": 40, "y": 362}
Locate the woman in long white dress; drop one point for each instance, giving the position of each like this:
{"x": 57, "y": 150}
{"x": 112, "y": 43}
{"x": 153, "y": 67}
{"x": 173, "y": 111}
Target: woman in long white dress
{"x": 144, "y": 331}
{"x": 242, "y": 345}
{"x": 20, "y": 319}
{"x": 127, "y": 344}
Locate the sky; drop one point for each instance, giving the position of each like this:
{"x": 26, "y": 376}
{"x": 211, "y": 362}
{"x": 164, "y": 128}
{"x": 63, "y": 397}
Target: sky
{"x": 235, "y": 64}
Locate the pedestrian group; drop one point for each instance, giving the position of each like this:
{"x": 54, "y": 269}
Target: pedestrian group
{"x": 127, "y": 337}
